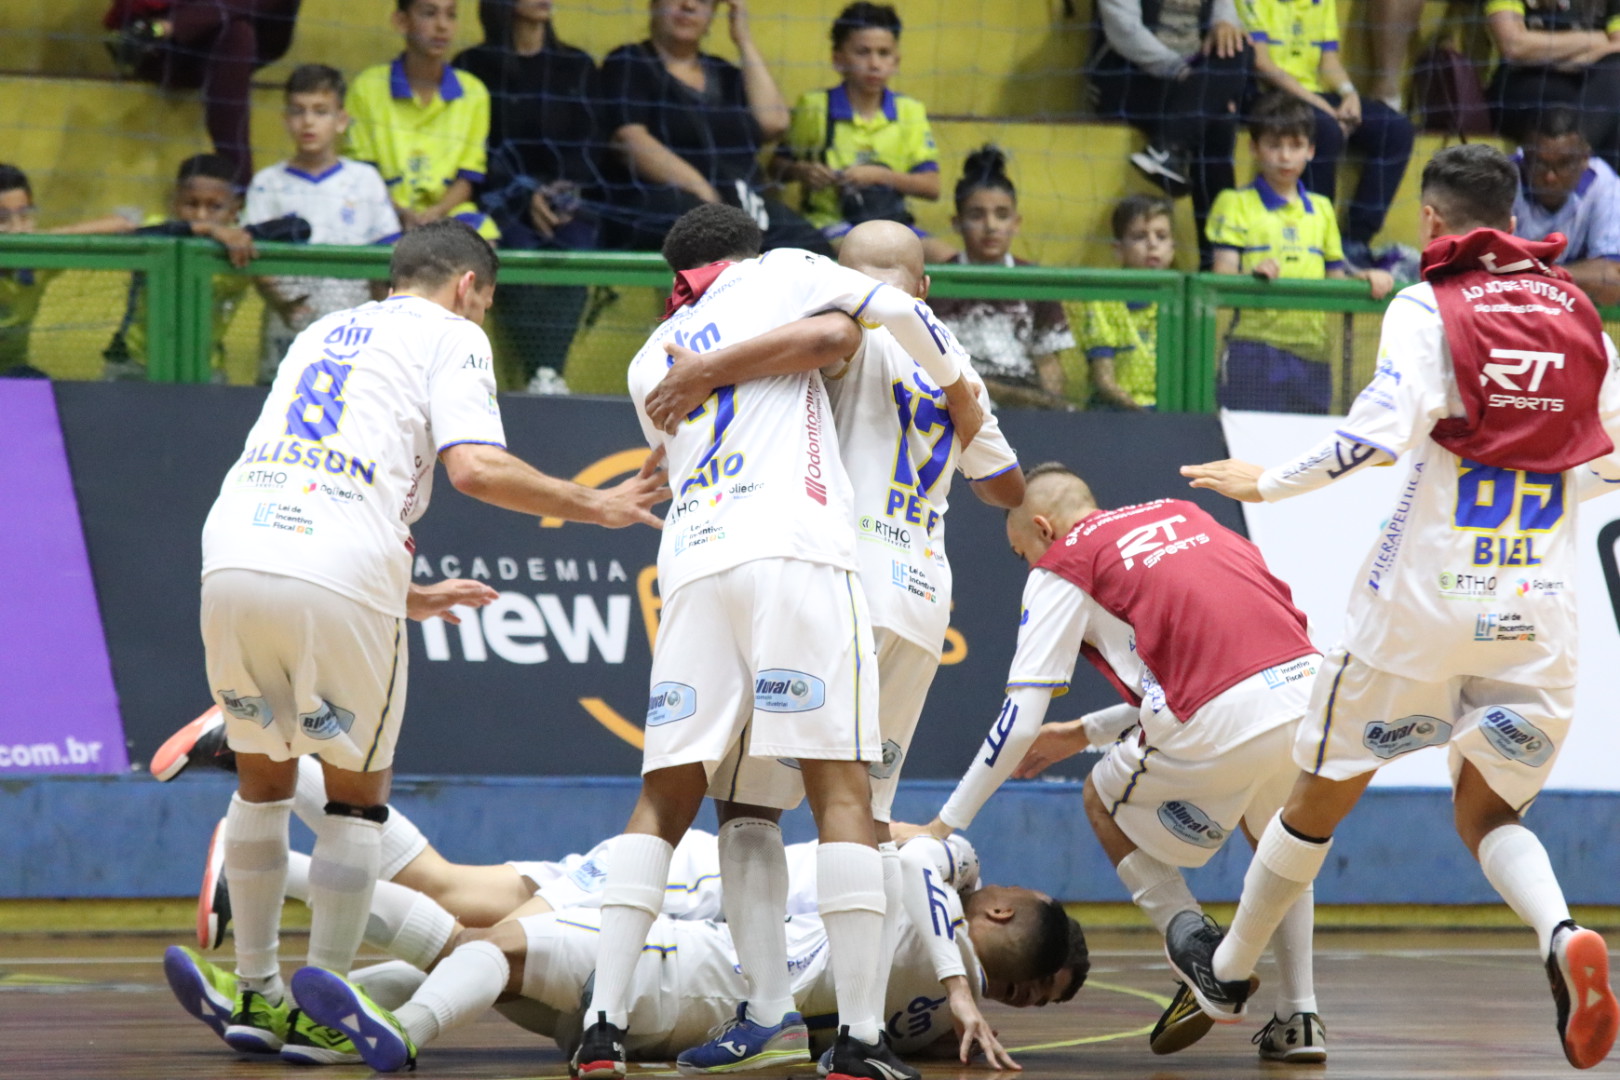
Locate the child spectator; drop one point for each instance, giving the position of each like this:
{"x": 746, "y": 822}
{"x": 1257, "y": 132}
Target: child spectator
{"x": 1296, "y": 51}
{"x": 206, "y": 202}
{"x": 345, "y": 202}
{"x": 859, "y": 149}
{"x": 1013, "y": 343}
{"x": 1564, "y": 189}
{"x": 422, "y": 123}
{"x": 1121, "y": 337}
{"x": 1276, "y": 361}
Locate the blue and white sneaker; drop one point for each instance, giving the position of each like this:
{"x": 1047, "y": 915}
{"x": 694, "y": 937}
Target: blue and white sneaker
{"x": 204, "y": 990}
{"x": 740, "y": 1044}
{"x": 334, "y": 1002}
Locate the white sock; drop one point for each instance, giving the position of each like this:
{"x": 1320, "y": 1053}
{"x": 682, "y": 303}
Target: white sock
{"x": 893, "y": 907}
{"x": 632, "y": 896}
{"x": 402, "y": 842}
{"x": 297, "y": 887}
{"x": 754, "y": 874}
{"x": 255, "y": 872}
{"x": 342, "y": 874}
{"x": 309, "y": 797}
{"x": 408, "y": 925}
{"x": 1157, "y": 888}
{"x": 1282, "y": 866}
{"x": 849, "y": 892}
{"x": 461, "y": 988}
{"x": 1291, "y": 948}
{"x": 1517, "y": 867}
{"x": 390, "y": 983}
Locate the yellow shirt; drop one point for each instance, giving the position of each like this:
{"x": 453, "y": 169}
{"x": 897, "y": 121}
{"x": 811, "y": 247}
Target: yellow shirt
{"x": 897, "y": 136}
{"x": 1302, "y": 234}
{"x": 20, "y": 294}
{"x": 1126, "y": 332}
{"x": 1297, "y": 32}
{"x": 422, "y": 149}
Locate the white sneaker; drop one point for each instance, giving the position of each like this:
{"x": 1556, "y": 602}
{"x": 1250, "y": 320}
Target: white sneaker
{"x": 547, "y": 381}
{"x": 1301, "y": 1039}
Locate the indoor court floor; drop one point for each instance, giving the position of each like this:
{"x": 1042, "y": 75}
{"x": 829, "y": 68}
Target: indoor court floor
{"x": 1397, "y": 1005}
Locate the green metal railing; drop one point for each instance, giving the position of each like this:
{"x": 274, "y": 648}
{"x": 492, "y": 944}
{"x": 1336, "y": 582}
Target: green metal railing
{"x": 180, "y": 276}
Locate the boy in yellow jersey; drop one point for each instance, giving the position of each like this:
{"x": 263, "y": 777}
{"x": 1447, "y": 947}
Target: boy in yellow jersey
{"x": 422, "y": 123}
{"x": 1120, "y": 338}
{"x": 860, "y": 150}
{"x": 1276, "y": 361}
{"x": 1296, "y": 51}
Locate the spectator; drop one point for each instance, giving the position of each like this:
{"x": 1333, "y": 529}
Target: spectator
{"x": 1391, "y": 26}
{"x": 859, "y": 150}
{"x": 543, "y": 189}
{"x": 1564, "y": 189}
{"x": 1276, "y": 361}
{"x": 206, "y": 202}
{"x": 1177, "y": 71}
{"x": 1296, "y": 51}
{"x": 1013, "y": 343}
{"x": 689, "y": 127}
{"x": 1555, "y": 52}
{"x": 422, "y": 123}
{"x": 211, "y": 45}
{"x": 345, "y": 202}
{"x": 1121, "y": 337}
{"x": 21, "y": 290}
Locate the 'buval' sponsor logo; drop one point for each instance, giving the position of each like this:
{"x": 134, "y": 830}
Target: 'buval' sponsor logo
{"x": 1405, "y": 735}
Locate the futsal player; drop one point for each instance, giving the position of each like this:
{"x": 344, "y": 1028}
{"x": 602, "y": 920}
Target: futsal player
{"x": 306, "y": 578}
{"x": 1183, "y": 617}
{"x": 1497, "y": 381}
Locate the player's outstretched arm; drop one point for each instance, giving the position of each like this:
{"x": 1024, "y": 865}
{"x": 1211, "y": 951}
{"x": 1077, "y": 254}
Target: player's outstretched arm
{"x": 435, "y": 601}
{"x": 1235, "y": 479}
{"x": 803, "y": 345}
{"x": 973, "y": 1030}
{"x": 491, "y": 474}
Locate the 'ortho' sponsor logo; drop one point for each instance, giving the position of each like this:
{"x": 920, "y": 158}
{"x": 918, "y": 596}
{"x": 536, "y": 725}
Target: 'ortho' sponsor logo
{"x": 669, "y": 702}
{"x": 1515, "y": 737}
{"x": 1405, "y": 735}
{"x": 785, "y": 690}
{"x": 1191, "y": 824}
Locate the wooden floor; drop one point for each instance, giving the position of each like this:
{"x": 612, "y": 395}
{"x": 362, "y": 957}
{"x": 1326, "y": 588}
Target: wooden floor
{"x": 1396, "y": 1005}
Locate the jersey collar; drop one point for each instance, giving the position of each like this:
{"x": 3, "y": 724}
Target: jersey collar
{"x": 400, "y": 87}
{"x": 1273, "y": 201}
{"x": 313, "y": 178}
{"x": 840, "y": 110}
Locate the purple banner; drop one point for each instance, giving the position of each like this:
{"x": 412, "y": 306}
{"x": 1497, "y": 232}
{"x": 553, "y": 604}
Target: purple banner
{"x": 58, "y": 707}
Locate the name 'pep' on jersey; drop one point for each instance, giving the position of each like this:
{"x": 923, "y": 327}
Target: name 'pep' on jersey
{"x": 340, "y": 462}
{"x": 755, "y": 470}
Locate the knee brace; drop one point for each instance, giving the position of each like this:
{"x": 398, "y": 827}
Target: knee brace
{"x": 375, "y": 814}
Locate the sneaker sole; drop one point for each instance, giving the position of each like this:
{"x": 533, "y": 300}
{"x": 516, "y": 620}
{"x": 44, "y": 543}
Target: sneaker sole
{"x": 210, "y": 927}
{"x": 194, "y": 992}
{"x": 1303, "y": 1055}
{"x": 251, "y": 1040}
{"x": 599, "y": 1070}
{"x": 762, "y": 1060}
{"x": 330, "y": 1001}
{"x": 1217, "y": 1013}
{"x": 1181, "y": 1032}
{"x": 174, "y": 755}
{"x": 1594, "y": 1015}
{"x": 317, "y": 1055}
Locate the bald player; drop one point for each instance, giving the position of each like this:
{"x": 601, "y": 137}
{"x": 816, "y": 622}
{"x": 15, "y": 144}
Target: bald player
{"x": 1181, "y": 615}
{"x": 900, "y": 444}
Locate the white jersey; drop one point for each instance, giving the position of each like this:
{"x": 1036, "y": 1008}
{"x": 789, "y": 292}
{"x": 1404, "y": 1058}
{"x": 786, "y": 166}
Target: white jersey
{"x": 347, "y": 204}
{"x": 1474, "y": 571}
{"x": 340, "y": 461}
{"x": 755, "y": 470}
{"x": 900, "y": 449}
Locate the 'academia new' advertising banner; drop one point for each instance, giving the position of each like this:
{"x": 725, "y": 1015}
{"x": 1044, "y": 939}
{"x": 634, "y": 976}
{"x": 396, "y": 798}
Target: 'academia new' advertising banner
{"x": 1316, "y": 543}
{"x": 553, "y": 677}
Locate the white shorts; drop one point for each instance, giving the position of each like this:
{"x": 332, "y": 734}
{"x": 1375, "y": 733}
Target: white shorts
{"x": 1361, "y": 718}
{"x": 298, "y": 669}
{"x": 685, "y": 983}
{"x": 775, "y": 654}
{"x": 693, "y": 891}
{"x": 1181, "y": 811}
{"x": 905, "y": 672}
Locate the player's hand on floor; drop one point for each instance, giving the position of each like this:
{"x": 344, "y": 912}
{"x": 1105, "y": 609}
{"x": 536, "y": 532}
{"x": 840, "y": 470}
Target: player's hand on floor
{"x": 428, "y": 601}
{"x": 1235, "y": 479}
{"x": 632, "y": 501}
{"x": 1052, "y": 744}
{"x": 683, "y": 388}
{"x": 972, "y": 1030}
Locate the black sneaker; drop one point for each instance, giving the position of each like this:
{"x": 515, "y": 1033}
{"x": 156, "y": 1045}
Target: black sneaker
{"x": 214, "y": 898}
{"x": 1184, "y": 1023}
{"x": 851, "y": 1059}
{"x": 1165, "y": 166}
{"x": 1588, "y": 1015}
{"x": 201, "y": 742}
{"x": 601, "y": 1052}
{"x": 1189, "y": 945}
